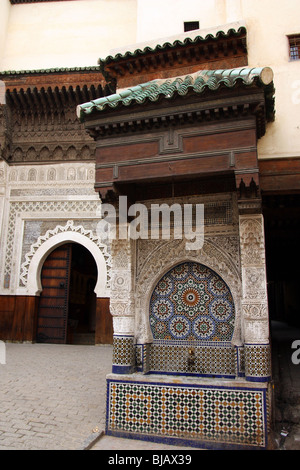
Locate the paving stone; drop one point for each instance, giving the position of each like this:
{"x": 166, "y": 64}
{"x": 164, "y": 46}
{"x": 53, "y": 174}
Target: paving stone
{"x": 53, "y": 397}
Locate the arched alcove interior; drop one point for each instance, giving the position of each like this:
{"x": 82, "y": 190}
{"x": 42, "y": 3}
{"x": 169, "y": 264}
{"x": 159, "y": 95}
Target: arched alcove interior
{"x": 82, "y": 298}
{"x": 192, "y": 315}
{"x": 67, "y": 303}
{"x": 191, "y": 302}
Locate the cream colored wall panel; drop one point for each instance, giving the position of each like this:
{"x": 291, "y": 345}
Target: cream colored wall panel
{"x": 66, "y": 34}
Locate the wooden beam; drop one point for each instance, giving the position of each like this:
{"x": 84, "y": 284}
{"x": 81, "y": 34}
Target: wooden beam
{"x": 280, "y": 175}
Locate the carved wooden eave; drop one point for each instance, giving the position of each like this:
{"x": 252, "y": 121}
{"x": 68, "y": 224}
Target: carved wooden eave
{"x": 178, "y": 112}
{"x": 50, "y": 100}
{"x": 39, "y": 114}
{"x": 177, "y": 130}
{"x": 204, "y": 96}
{"x": 220, "y": 49}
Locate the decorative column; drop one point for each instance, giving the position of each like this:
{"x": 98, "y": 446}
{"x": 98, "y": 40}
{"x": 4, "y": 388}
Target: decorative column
{"x": 3, "y": 179}
{"x": 254, "y": 300}
{"x": 122, "y": 306}
{"x": 5, "y": 143}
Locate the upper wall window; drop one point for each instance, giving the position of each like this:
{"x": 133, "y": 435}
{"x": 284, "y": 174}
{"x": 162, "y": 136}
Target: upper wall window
{"x": 191, "y": 25}
{"x": 294, "y": 44}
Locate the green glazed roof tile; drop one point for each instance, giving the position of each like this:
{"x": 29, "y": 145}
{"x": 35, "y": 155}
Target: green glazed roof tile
{"x": 50, "y": 70}
{"x": 197, "y": 82}
{"x": 167, "y": 45}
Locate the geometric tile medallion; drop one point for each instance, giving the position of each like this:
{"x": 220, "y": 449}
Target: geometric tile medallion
{"x": 230, "y": 416}
{"x": 192, "y": 302}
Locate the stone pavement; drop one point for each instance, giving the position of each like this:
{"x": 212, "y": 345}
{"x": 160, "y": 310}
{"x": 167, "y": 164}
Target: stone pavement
{"x": 53, "y": 397}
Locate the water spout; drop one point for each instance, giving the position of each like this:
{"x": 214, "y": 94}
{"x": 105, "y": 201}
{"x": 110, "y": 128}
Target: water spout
{"x": 191, "y": 358}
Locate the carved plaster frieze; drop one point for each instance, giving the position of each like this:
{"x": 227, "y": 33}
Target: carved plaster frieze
{"x": 255, "y": 310}
{"x": 40, "y": 209}
{"x": 54, "y": 174}
{"x": 254, "y": 283}
{"x": 123, "y": 325}
{"x": 69, "y": 227}
{"x": 121, "y": 307}
{"x": 256, "y": 331}
{"x": 33, "y": 151}
{"x": 252, "y": 240}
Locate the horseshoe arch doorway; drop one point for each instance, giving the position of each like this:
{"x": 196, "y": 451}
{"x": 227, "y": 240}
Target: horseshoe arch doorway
{"x": 67, "y": 304}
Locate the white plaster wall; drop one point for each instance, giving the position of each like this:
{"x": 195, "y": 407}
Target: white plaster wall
{"x": 79, "y": 32}
{"x": 25, "y": 201}
{"x": 4, "y": 19}
{"x": 66, "y": 34}
{"x": 3, "y": 178}
{"x": 268, "y": 24}
{"x": 163, "y": 18}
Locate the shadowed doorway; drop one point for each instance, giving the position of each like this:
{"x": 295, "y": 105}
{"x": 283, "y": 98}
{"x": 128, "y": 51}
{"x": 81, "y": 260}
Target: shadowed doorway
{"x": 67, "y": 306}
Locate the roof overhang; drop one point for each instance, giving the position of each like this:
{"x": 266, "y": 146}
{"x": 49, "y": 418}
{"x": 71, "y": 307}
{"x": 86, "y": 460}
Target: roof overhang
{"x": 218, "y": 48}
{"x": 213, "y": 92}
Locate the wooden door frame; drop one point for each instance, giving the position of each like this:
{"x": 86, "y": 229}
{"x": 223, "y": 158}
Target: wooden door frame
{"x": 104, "y": 324}
{"x": 55, "y": 302}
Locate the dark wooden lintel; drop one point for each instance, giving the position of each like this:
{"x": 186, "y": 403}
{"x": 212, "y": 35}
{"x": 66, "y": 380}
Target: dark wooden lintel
{"x": 203, "y": 112}
{"x": 280, "y": 175}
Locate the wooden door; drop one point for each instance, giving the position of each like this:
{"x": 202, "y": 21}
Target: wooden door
{"x": 53, "y": 305}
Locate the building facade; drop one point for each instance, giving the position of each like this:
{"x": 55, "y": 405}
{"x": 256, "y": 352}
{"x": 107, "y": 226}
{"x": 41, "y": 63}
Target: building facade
{"x": 202, "y": 118}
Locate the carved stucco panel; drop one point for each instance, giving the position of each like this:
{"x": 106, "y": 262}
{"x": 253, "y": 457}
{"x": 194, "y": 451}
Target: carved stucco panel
{"x": 31, "y": 268}
{"x": 254, "y": 283}
{"x": 121, "y": 254}
{"x": 255, "y": 310}
{"x": 255, "y": 301}
{"x": 123, "y": 325}
{"x": 256, "y": 331}
{"x": 252, "y": 240}
{"x": 122, "y": 282}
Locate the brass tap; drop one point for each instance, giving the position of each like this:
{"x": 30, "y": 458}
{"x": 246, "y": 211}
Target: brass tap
{"x": 191, "y": 358}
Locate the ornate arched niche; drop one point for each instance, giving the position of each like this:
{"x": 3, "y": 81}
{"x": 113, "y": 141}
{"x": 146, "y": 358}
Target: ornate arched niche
{"x": 188, "y": 320}
{"x": 191, "y": 303}
{"x": 31, "y": 268}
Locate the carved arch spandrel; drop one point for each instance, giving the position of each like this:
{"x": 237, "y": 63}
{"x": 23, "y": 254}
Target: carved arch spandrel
{"x": 31, "y": 268}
